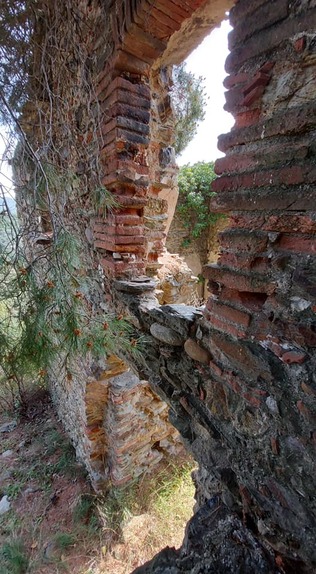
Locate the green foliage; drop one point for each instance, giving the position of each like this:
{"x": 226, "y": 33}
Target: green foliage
{"x": 194, "y": 198}
{"x": 64, "y": 540}
{"x": 13, "y": 558}
{"x": 189, "y": 101}
{"x": 48, "y": 314}
{"x": 16, "y": 23}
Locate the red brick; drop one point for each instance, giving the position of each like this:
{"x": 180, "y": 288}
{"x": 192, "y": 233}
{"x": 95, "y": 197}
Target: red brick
{"x": 296, "y": 120}
{"x": 242, "y": 281}
{"x": 235, "y": 79}
{"x": 177, "y": 10}
{"x": 120, "y": 265}
{"x": 241, "y": 11}
{"x": 234, "y": 385}
{"x": 123, "y": 97}
{"x": 239, "y": 241}
{"x": 163, "y": 19}
{"x": 222, "y": 325}
{"x": 300, "y": 44}
{"x": 234, "y": 163}
{"x": 127, "y": 220}
{"x": 292, "y": 175}
{"x": 248, "y": 118}
{"x": 253, "y": 96}
{"x": 129, "y": 111}
{"x": 139, "y": 89}
{"x": 286, "y": 222}
{"x": 142, "y": 44}
{"x": 123, "y": 239}
{"x": 228, "y": 313}
{"x": 125, "y": 62}
{"x": 269, "y": 39}
{"x": 240, "y": 357}
{"x": 118, "y": 230}
{"x": 126, "y": 248}
{"x": 306, "y": 412}
{"x": 267, "y": 67}
{"x": 245, "y": 494}
{"x": 297, "y": 243}
{"x": 216, "y": 369}
{"x": 253, "y": 401}
{"x": 275, "y": 445}
{"x": 267, "y": 200}
{"x": 264, "y": 17}
{"x": 260, "y": 79}
{"x": 128, "y": 201}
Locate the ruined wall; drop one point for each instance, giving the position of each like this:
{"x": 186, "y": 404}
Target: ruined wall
{"x": 239, "y": 377}
{"x": 242, "y": 386}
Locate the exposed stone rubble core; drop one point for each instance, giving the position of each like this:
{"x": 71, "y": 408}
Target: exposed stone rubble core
{"x": 216, "y": 542}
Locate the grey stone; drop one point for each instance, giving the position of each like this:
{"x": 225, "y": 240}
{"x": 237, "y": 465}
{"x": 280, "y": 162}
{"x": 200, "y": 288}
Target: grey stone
{"x": 138, "y": 285}
{"x": 272, "y": 405}
{"x": 4, "y": 504}
{"x": 177, "y": 317}
{"x": 196, "y": 352}
{"x": 7, "y": 453}
{"x": 166, "y": 335}
{"x": 7, "y": 427}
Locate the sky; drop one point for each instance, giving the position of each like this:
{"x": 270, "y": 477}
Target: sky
{"x": 208, "y": 61}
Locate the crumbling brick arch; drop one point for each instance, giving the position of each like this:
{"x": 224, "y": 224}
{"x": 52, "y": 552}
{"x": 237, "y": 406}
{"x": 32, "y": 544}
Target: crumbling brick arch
{"x": 133, "y": 89}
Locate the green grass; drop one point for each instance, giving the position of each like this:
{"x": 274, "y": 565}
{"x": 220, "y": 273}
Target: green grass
{"x": 13, "y": 558}
{"x": 64, "y": 540}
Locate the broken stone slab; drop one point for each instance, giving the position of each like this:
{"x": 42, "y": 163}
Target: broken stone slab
{"x": 8, "y": 427}
{"x": 177, "y": 317}
{"x": 138, "y": 285}
{"x": 196, "y": 352}
{"x": 166, "y": 335}
{"x": 4, "y": 504}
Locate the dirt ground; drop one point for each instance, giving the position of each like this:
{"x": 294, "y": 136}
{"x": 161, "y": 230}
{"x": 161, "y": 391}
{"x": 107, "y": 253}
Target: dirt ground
{"x": 56, "y": 524}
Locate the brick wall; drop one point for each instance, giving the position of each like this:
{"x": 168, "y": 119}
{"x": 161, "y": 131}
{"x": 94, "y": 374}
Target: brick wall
{"x": 240, "y": 379}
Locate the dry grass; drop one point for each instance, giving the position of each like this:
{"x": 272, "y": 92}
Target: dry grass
{"x": 153, "y": 515}
{"x": 56, "y": 524}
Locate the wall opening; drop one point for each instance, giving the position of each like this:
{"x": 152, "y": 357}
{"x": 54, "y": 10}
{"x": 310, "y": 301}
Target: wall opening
{"x": 190, "y": 235}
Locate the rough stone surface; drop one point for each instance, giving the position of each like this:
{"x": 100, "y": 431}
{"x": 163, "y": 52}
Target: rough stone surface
{"x": 7, "y": 427}
{"x": 165, "y": 335}
{"x": 216, "y": 542}
{"x": 4, "y": 505}
{"x": 196, "y": 352}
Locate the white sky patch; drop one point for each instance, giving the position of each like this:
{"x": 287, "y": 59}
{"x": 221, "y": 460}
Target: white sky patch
{"x": 6, "y": 153}
{"x": 208, "y": 61}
